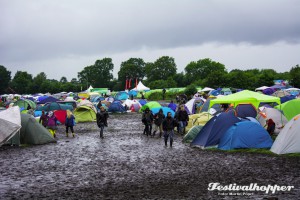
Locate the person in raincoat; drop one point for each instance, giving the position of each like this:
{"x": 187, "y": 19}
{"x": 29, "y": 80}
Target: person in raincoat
{"x": 182, "y": 118}
{"x": 51, "y": 124}
{"x": 168, "y": 125}
{"x": 102, "y": 116}
{"x": 158, "y": 119}
{"x": 69, "y": 123}
{"x": 147, "y": 120}
{"x": 44, "y": 119}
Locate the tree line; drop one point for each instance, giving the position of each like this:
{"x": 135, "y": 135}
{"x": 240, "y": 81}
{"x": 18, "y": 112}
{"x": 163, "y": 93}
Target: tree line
{"x": 159, "y": 74}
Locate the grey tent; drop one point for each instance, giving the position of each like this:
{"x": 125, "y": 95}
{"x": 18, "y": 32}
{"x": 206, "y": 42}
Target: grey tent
{"x": 10, "y": 124}
{"x": 32, "y": 132}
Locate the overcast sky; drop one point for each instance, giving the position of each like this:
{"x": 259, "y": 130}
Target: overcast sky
{"x": 61, "y": 37}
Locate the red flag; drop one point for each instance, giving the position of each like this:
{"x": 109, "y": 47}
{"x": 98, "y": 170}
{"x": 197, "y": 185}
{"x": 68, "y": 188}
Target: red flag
{"x": 129, "y": 85}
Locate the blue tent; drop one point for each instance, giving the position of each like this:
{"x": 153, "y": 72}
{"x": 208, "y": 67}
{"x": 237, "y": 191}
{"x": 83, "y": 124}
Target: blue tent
{"x": 287, "y": 98}
{"x": 245, "y": 134}
{"x": 142, "y": 102}
{"x": 121, "y": 95}
{"x": 214, "y": 129}
{"x": 133, "y": 92}
{"x": 165, "y": 111}
{"x": 173, "y": 106}
{"x": 97, "y": 99}
{"x": 245, "y": 110}
{"x": 47, "y": 99}
{"x": 116, "y": 106}
{"x": 41, "y": 98}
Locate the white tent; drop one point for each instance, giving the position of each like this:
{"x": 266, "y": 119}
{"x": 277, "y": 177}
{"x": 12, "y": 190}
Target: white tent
{"x": 274, "y": 114}
{"x": 288, "y": 140}
{"x": 206, "y": 89}
{"x": 140, "y": 87}
{"x": 262, "y": 88}
{"x": 293, "y": 89}
{"x": 10, "y": 123}
{"x": 89, "y": 89}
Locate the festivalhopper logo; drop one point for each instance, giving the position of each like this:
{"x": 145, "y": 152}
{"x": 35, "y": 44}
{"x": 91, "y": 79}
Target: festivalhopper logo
{"x": 247, "y": 189}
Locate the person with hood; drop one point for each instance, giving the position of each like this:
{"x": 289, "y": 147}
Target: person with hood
{"x": 147, "y": 119}
{"x": 182, "y": 119}
{"x": 102, "y": 116}
{"x": 51, "y": 124}
{"x": 43, "y": 119}
{"x": 158, "y": 119}
{"x": 168, "y": 125}
{"x": 69, "y": 123}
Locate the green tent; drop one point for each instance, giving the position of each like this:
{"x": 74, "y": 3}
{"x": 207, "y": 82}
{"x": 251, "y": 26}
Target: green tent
{"x": 23, "y": 103}
{"x": 193, "y": 132}
{"x": 84, "y": 114}
{"x": 290, "y": 108}
{"x": 31, "y": 132}
{"x": 245, "y": 96}
{"x": 150, "y": 105}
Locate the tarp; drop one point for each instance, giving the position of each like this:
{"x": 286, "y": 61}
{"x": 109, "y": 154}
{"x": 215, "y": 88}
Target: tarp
{"x": 244, "y": 135}
{"x": 245, "y": 96}
{"x": 290, "y": 109}
{"x": 288, "y": 140}
{"x": 10, "y": 123}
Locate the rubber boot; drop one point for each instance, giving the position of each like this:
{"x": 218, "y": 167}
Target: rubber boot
{"x": 171, "y": 143}
{"x": 67, "y": 134}
{"x": 154, "y": 133}
{"x": 160, "y": 133}
{"x": 54, "y": 135}
{"x": 166, "y": 143}
{"x": 73, "y": 134}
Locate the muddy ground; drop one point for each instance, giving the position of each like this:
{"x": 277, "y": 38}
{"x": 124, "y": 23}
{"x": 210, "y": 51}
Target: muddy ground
{"x": 128, "y": 165}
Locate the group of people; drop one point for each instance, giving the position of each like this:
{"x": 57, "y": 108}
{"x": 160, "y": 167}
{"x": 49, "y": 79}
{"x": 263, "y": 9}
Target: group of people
{"x": 49, "y": 121}
{"x": 165, "y": 125}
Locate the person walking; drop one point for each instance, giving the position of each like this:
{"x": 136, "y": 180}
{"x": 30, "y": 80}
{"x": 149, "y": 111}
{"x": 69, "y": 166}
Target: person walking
{"x": 69, "y": 123}
{"x": 168, "y": 125}
{"x": 102, "y": 116}
{"x": 43, "y": 119}
{"x": 182, "y": 118}
{"x": 147, "y": 119}
{"x": 51, "y": 124}
{"x": 158, "y": 119}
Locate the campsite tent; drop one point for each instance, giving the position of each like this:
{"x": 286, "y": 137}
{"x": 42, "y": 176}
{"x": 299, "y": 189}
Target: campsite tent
{"x": 150, "y": 105}
{"x": 288, "y": 140}
{"x": 245, "y": 134}
{"x": 214, "y": 129}
{"x": 173, "y": 106}
{"x": 141, "y": 87}
{"x": 48, "y": 99}
{"x": 198, "y": 119}
{"x": 245, "y": 96}
{"x": 190, "y": 105}
{"x": 10, "y": 123}
{"x": 84, "y": 114}
{"x": 121, "y": 96}
{"x": 290, "y": 108}
{"x": 116, "y": 106}
{"x": 31, "y": 132}
{"x": 23, "y": 104}
{"x": 164, "y": 109}
{"x": 281, "y": 93}
{"x": 191, "y": 134}
{"x": 54, "y": 106}
{"x": 206, "y": 89}
{"x": 262, "y": 88}
{"x": 274, "y": 114}
{"x": 245, "y": 110}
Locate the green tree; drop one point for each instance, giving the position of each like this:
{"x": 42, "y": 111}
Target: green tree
{"x": 267, "y": 77}
{"x": 161, "y": 69}
{"x": 190, "y": 90}
{"x": 132, "y": 68}
{"x": 238, "y": 79}
{"x": 201, "y": 69}
{"x": 63, "y": 80}
{"x": 97, "y": 75}
{"x": 294, "y": 76}
{"x": 180, "y": 79}
{"x": 159, "y": 84}
{"x": 21, "y": 82}
{"x": 37, "y": 83}
{"x": 5, "y": 77}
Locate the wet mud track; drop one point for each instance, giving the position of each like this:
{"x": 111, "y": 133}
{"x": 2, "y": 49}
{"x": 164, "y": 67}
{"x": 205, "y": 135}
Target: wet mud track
{"x": 129, "y": 165}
